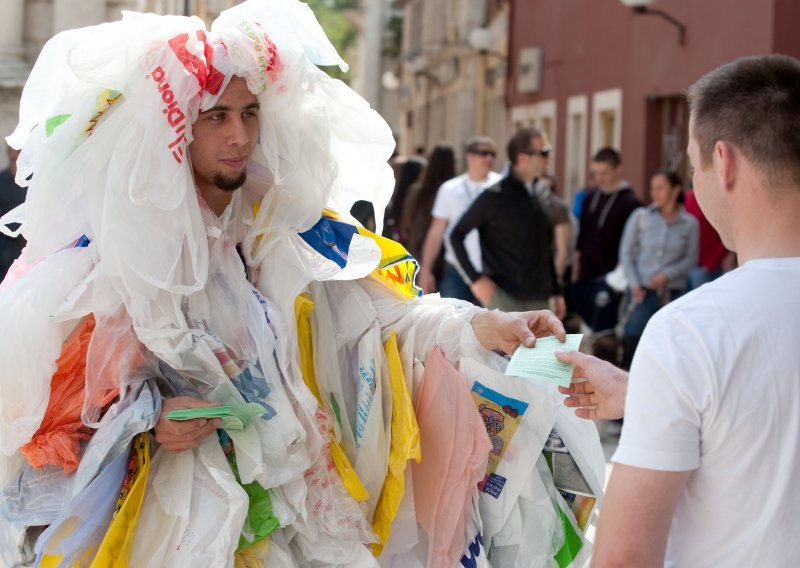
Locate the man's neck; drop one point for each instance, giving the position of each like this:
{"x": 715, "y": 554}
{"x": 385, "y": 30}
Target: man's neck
{"x": 477, "y": 176}
{"x": 216, "y": 198}
{"x": 612, "y": 188}
{"x": 525, "y": 179}
{"x": 770, "y": 233}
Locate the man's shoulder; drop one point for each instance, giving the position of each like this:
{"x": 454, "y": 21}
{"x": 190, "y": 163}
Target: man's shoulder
{"x": 453, "y": 184}
{"x": 627, "y": 197}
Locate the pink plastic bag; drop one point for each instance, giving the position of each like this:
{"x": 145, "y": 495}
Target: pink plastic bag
{"x": 455, "y": 448}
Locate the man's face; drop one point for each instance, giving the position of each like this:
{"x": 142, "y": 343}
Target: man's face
{"x": 480, "y": 160}
{"x": 532, "y": 163}
{"x": 605, "y": 175}
{"x": 224, "y": 139}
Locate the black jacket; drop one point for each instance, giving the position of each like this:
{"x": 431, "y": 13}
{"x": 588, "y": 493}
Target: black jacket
{"x": 516, "y": 237}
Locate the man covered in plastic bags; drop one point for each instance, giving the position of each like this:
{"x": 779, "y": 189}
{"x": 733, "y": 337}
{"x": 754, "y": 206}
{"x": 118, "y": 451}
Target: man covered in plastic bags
{"x": 210, "y": 367}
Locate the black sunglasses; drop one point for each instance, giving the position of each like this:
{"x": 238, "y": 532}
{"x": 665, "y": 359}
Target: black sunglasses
{"x": 544, "y": 152}
{"x": 484, "y": 153}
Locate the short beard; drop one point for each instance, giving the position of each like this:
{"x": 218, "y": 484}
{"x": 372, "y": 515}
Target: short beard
{"x": 228, "y": 183}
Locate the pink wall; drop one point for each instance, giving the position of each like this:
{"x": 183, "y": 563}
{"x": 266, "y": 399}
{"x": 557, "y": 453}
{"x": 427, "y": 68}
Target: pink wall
{"x": 592, "y": 45}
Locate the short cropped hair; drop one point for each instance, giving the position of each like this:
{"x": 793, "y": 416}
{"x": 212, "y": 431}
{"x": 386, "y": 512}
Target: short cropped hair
{"x": 608, "y": 156}
{"x": 754, "y": 104}
{"x": 475, "y": 143}
{"x": 520, "y": 142}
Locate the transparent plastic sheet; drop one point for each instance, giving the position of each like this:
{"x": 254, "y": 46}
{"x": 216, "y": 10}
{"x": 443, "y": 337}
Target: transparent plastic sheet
{"x": 26, "y": 308}
{"x": 12, "y": 536}
{"x": 425, "y": 323}
{"x": 190, "y": 524}
{"x": 335, "y": 529}
{"x": 116, "y": 362}
{"x": 80, "y": 528}
{"x": 115, "y": 548}
{"x": 518, "y": 417}
{"x": 304, "y": 307}
{"x": 404, "y": 447}
{"x": 38, "y": 497}
{"x": 533, "y": 532}
{"x": 475, "y": 555}
{"x": 57, "y": 441}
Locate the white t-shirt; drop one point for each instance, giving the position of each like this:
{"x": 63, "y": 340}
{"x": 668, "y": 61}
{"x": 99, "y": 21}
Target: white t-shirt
{"x": 453, "y": 198}
{"x": 715, "y": 388}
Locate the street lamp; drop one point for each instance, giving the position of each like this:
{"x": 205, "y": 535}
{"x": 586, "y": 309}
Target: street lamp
{"x": 642, "y": 7}
{"x": 482, "y": 40}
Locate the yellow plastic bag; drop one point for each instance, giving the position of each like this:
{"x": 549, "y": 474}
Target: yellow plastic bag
{"x": 303, "y": 306}
{"x": 115, "y": 549}
{"x": 404, "y": 445}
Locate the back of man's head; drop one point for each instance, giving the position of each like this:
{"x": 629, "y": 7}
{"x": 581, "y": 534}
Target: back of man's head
{"x": 520, "y": 143}
{"x": 608, "y": 156}
{"x": 754, "y": 104}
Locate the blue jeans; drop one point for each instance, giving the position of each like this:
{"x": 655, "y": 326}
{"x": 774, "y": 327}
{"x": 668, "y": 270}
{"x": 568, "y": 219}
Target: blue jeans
{"x": 637, "y": 318}
{"x": 597, "y": 303}
{"x": 700, "y": 275}
{"x": 453, "y": 286}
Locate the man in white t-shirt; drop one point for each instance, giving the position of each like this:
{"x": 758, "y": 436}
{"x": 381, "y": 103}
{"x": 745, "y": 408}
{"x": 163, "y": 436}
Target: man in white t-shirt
{"x": 707, "y": 468}
{"x": 453, "y": 198}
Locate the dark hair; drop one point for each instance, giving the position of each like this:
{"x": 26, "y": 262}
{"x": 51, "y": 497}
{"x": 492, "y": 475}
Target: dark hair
{"x": 754, "y": 104}
{"x": 407, "y": 176}
{"x": 609, "y": 156}
{"x": 673, "y": 179}
{"x": 520, "y": 143}
{"x": 419, "y": 202}
{"x": 474, "y": 143}
{"x": 441, "y": 167}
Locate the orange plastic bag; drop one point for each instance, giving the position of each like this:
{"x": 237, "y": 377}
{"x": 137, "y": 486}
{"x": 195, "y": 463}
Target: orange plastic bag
{"x": 57, "y": 441}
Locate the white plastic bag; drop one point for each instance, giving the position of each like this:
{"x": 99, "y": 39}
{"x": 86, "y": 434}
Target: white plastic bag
{"x": 193, "y": 510}
{"x": 32, "y": 342}
{"x": 518, "y": 440}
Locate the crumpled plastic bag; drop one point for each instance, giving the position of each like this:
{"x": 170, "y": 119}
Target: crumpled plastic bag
{"x": 518, "y": 417}
{"x": 57, "y": 442}
{"x": 38, "y": 497}
{"x": 454, "y": 450}
{"x": 25, "y": 308}
{"x": 195, "y": 523}
{"x": 76, "y": 535}
{"x": 115, "y": 549}
{"x": 404, "y": 446}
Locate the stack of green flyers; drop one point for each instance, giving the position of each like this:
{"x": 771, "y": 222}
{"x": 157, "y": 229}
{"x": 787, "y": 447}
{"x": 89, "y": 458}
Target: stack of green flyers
{"x": 234, "y": 417}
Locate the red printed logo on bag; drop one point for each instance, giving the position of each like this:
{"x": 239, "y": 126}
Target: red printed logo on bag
{"x": 208, "y": 77}
{"x": 175, "y": 116}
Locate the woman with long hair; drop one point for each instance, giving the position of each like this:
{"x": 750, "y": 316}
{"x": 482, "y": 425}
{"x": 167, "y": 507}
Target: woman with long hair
{"x": 419, "y": 202}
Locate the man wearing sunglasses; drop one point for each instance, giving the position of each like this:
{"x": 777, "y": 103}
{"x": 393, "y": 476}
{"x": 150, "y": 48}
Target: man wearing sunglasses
{"x": 516, "y": 235}
{"x": 452, "y": 199}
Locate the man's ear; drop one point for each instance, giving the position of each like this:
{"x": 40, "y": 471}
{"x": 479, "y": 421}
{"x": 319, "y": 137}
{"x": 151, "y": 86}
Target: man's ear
{"x": 726, "y": 162}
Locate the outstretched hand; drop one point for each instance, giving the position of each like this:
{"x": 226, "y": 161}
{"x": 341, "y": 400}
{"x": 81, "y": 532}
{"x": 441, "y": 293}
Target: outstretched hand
{"x": 177, "y": 436}
{"x": 602, "y": 394}
{"x": 507, "y": 331}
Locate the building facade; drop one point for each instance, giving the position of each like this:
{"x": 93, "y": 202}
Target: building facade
{"x": 374, "y": 62}
{"x": 452, "y": 82}
{"x": 594, "y": 74}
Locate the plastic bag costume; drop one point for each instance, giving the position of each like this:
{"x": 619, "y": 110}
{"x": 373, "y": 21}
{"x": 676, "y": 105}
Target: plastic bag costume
{"x": 382, "y": 415}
